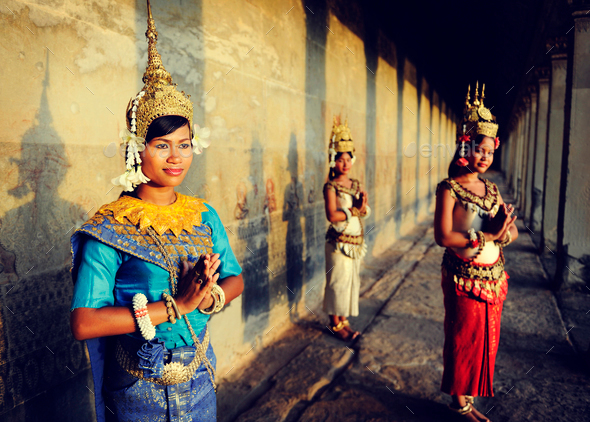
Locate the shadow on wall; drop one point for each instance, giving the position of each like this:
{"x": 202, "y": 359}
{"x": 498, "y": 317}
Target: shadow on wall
{"x": 316, "y": 146}
{"x": 186, "y": 62}
{"x": 37, "y": 351}
{"x": 292, "y": 213}
{"x": 397, "y": 214}
{"x": 372, "y": 61}
{"x": 254, "y": 231}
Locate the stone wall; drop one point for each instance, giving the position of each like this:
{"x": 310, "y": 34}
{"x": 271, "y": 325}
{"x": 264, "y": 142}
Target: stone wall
{"x": 266, "y": 77}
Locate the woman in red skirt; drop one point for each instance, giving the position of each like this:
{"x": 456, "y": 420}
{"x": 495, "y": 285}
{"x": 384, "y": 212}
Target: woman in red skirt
{"x": 474, "y": 225}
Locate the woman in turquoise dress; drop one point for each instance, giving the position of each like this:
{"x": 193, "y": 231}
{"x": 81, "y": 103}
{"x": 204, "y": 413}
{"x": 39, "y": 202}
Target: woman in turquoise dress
{"x": 151, "y": 267}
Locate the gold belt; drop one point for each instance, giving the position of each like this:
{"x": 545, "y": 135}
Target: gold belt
{"x": 174, "y": 372}
{"x": 473, "y": 270}
{"x": 333, "y": 236}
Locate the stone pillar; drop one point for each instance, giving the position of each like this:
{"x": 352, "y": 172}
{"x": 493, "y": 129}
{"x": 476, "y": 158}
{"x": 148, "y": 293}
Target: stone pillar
{"x": 506, "y": 148}
{"x": 554, "y": 143}
{"x": 540, "y": 148}
{"x": 524, "y": 156}
{"x": 511, "y": 151}
{"x": 530, "y": 162}
{"x": 573, "y": 266}
{"x": 518, "y": 156}
{"x": 514, "y": 154}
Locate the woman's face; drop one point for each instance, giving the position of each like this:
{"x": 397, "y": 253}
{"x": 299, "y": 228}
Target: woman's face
{"x": 166, "y": 159}
{"x": 343, "y": 163}
{"x": 483, "y": 155}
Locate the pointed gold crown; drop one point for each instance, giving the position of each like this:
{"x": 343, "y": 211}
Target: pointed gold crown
{"x": 159, "y": 96}
{"x": 476, "y": 116}
{"x": 341, "y": 139}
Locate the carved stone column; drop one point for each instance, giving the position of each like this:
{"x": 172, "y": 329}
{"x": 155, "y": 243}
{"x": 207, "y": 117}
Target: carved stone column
{"x": 518, "y": 156}
{"x": 573, "y": 266}
{"x": 554, "y": 143}
{"x": 540, "y": 149}
{"x": 530, "y": 154}
{"x": 524, "y": 147}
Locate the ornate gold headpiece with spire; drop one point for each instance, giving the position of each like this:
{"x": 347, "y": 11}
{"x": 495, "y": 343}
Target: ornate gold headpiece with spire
{"x": 158, "y": 97}
{"x": 477, "y": 116}
{"x": 340, "y": 140}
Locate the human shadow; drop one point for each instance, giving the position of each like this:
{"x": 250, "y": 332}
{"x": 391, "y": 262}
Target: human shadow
{"x": 292, "y": 213}
{"x": 37, "y": 351}
{"x": 317, "y": 13}
{"x": 254, "y": 231}
{"x": 372, "y": 62}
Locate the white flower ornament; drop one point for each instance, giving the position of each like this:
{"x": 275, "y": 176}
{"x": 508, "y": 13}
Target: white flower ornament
{"x": 133, "y": 175}
{"x": 200, "y": 139}
{"x": 332, "y": 153}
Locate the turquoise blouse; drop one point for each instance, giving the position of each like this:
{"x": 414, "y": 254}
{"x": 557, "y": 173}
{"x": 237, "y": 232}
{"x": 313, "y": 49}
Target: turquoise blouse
{"x": 109, "y": 277}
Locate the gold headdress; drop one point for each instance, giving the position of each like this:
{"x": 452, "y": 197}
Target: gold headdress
{"x": 158, "y": 97}
{"x": 477, "y": 116}
{"x": 340, "y": 140}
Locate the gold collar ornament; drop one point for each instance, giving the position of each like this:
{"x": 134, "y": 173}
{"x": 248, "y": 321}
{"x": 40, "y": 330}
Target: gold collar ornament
{"x": 340, "y": 141}
{"x": 183, "y": 214}
{"x": 158, "y": 97}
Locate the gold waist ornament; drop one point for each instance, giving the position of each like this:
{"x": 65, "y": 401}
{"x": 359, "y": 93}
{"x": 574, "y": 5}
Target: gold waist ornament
{"x": 333, "y": 236}
{"x": 174, "y": 372}
{"x": 487, "y": 282}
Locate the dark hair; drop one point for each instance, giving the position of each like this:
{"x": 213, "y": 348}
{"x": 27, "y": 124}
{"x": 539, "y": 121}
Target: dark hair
{"x": 332, "y": 174}
{"x": 161, "y": 126}
{"x": 164, "y": 125}
{"x": 454, "y": 168}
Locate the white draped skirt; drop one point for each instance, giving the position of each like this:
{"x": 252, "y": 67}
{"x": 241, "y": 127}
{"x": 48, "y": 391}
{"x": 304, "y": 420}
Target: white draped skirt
{"x": 343, "y": 282}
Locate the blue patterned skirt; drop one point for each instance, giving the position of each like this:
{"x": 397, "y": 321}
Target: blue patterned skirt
{"x": 131, "y": 399}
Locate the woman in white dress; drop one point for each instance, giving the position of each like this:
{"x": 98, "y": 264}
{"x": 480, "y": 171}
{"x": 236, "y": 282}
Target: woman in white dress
{"x": 346, "y": 206}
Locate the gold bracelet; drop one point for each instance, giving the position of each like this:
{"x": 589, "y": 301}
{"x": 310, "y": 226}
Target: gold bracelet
{"x": 506, "y": 241}
{"x": 355, "y": 212}
{"x": 170, "y": 302}
{"x": 218, "y": 296}
{"x": 221, "y": 296}
{"x": 211, "y": 309}
{"x": 482, "y": 242}
{"x": 169, "y": 309}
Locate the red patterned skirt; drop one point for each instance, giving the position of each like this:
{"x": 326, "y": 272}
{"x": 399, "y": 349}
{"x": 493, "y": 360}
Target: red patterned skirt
{"x": 472, "y": 334}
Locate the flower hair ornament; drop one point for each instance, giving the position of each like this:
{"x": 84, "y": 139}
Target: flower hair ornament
{"x": 340, "y": 141}
{"x": 200, "y": 139}
{"x": 158, "y": 97}
{"x": 496, "y": 142}
{"x": 462, "y": 161}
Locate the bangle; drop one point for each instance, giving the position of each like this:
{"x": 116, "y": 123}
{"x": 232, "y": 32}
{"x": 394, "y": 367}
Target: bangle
{"x": 473, "y": 238}
{"x": 504, "y": 242}
{"x": 148, "y": 331}
{"x": 171, "y": 308}
{"x": 218, "y": 296}
{"x": 211, "y": 309}
{"x": 367, "y": 212}
{"x": 348, "y": 213}
{"x": 482, "y": 242}
{"x": 221, "y": 296}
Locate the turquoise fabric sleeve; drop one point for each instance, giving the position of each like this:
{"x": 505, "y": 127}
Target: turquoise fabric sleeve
{"x": 229, "y": 264}
{"x": 95, "y": 281}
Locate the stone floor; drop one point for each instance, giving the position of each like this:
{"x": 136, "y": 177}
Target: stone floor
{"x": 393, "y": 372}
